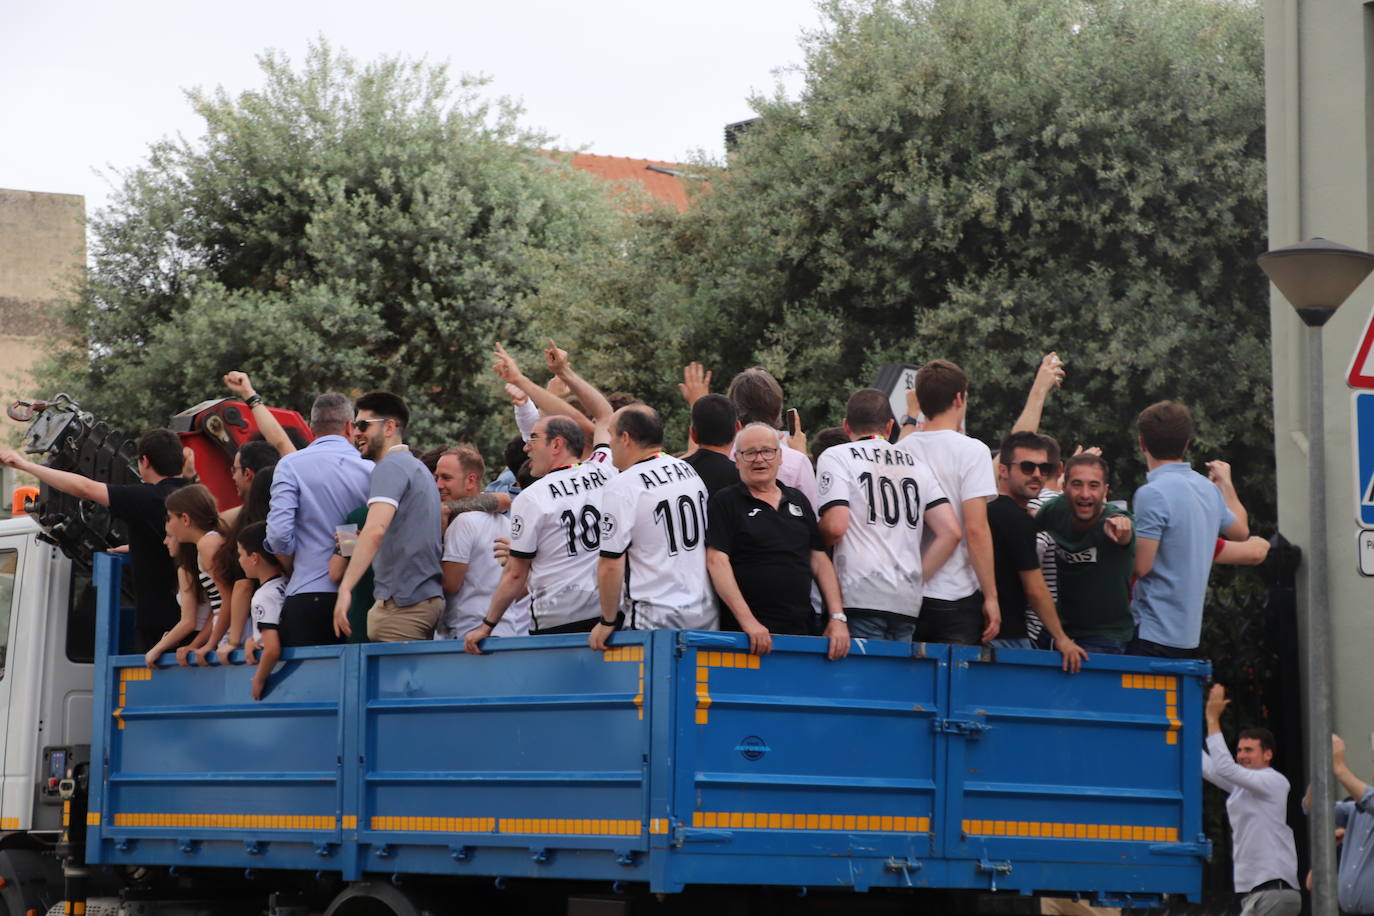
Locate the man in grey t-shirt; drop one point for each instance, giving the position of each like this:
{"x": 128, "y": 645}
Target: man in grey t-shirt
{"x": 401, "y": 538}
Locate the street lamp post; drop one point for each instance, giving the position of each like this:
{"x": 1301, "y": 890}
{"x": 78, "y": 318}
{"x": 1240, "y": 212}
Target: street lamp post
{"x": 1316, "y": 277}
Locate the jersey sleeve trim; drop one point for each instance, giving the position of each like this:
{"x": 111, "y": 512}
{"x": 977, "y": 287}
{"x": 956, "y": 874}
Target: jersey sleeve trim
{"x": 833, "y": 503}
{"x": 942, "y": 501}
{"x": 523, "y": 554}
{"x": 384, "y": 499}
{"x": 612, "y": 554}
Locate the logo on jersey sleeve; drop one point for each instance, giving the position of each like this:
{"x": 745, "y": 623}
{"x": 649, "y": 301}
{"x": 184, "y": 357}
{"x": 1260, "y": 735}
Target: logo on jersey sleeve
{"x": 825, "y": 482}
{"x": 607, "y": 524}
{"x": 517, "y": 527}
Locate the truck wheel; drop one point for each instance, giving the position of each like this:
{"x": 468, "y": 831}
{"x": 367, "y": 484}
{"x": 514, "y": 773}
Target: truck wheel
{"x": 32, "y": 882}
{"x": 370, "y": 898}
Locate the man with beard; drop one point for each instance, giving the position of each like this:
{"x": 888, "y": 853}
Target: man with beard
{"x": 1095, "y": 548}
{"x": 1023, "y": 464}
{"x": 401, "y": 534}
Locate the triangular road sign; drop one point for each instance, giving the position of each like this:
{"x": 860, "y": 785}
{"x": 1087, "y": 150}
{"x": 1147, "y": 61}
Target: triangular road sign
{"x": 1361, "y": 372}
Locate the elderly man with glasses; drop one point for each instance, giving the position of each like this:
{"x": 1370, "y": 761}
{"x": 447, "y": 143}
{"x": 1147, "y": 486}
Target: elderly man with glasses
{"x": 763, "y": 548}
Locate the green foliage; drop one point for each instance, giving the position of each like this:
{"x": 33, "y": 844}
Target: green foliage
{"x": 987, "y": 182}
{"x": 345, "y": 227}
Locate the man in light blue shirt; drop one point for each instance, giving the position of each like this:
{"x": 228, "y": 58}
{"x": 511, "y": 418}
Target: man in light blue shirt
{"x": 1355, "y": 868}
{"x": 313, "y": 491}
{"x": 1178, "y": 516}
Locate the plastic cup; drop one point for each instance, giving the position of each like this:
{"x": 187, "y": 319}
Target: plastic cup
{"x": 348, "y": 538}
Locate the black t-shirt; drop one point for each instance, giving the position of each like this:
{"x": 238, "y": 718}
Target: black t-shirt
{"x": 715, "y": 470}
{"x": 141, "y": 507}
{"x": 1013, "y": 551}
{"x": 770, "y": 553}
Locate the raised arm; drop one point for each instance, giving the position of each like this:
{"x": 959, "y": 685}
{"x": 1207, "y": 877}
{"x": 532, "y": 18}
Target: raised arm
{"x": 67, "y": 482}
{"x": 239, "y": 383}
{"x": 584, "y": 391}
{"x": 1220, "y": 474}
{"x": 549, "y": 404}
{"x": 1048, "y": 377}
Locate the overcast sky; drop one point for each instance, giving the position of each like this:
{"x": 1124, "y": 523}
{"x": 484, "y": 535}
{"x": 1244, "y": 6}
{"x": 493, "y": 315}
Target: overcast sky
{"x": 85, "y": 85}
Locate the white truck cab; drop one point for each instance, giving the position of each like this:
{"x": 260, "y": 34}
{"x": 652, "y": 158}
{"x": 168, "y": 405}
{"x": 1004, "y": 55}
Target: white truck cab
{"x": 47, "y": 613}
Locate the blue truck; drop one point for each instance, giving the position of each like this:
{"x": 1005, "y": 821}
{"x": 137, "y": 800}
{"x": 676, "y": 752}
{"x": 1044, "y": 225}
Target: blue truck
{"x": 396, "y": 773}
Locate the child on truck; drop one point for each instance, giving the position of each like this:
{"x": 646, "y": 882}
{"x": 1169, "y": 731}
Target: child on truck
{"x": 193, "y": 518}
{"x": 259, "y": 563}
{"x": 195, "y": 609}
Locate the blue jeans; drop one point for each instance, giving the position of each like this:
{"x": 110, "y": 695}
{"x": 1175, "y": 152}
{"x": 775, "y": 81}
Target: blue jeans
{"x": 1091, "y": 644}
{"x": 868, "y": 625}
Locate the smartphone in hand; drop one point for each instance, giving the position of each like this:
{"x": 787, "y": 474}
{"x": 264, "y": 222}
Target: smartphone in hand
{"x": 791, "y": 421}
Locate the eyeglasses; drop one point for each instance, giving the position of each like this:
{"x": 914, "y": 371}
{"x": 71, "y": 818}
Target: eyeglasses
{"x": 362, "y": 425}
{"x": 767, "y": 454}
{"x": 1029, "y": 467}
{"x": 535, "y": 436}
{"x": 236, "y": 469}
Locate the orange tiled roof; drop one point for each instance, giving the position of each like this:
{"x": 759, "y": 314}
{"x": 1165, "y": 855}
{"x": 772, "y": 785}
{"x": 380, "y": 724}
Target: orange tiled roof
{"x": 666, "y": 187}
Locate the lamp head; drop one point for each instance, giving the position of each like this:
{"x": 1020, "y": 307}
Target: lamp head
{"x": 1316, "y": 276}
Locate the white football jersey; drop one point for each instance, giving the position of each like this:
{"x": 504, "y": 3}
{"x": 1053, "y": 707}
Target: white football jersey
{"x": 654, "y": 514}
{"x": 887, "y": 490}
{"x": 556, "y": 524}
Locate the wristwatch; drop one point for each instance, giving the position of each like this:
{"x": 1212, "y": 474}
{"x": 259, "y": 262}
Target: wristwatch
{"x": 840, "y": 617}
{"x": 908, "y": 421}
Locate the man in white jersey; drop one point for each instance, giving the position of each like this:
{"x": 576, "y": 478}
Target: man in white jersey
{"x": 877, "y": 501}
{"x": 555, "y": 533}
{"x": 653, "y": 519}
{"x": 471, "y": 571}
{"x": 960, "y": 603}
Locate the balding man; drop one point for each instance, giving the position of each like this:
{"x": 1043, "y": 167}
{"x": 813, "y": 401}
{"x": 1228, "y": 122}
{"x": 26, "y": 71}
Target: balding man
{"x": 313, "y": 491}
{"x": 555, "y": 535}
{"x": 653, "y": 514}
{"x": 763, "y": 548}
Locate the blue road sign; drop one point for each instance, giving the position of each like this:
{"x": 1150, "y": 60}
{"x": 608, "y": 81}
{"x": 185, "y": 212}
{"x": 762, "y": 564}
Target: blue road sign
{"x": 1362, "y": 438}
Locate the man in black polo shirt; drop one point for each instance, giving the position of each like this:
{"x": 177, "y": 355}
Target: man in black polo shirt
{"x": 763, "y": 548}
{"x": 140, "y": 507}
{"x": 714, "y": 424}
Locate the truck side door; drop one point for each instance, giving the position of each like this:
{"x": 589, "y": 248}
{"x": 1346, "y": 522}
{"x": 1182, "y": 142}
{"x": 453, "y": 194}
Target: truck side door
{"x": 16, "y": 788}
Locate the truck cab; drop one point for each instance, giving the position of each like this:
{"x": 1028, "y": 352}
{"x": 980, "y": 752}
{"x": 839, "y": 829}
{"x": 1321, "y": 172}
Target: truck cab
{"x": 47, "y": 623}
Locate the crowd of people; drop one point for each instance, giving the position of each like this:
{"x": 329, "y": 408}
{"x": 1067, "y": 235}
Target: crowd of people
{"x": 885, "y": 528}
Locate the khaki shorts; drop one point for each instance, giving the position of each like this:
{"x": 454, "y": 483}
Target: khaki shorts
{"x": 386, "y": 622}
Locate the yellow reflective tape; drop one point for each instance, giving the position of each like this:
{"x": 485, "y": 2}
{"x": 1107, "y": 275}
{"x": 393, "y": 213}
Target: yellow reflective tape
{"x": 9, "y": 823}
{"x": 135, "y": 674}
{"x": 771, "y": 820}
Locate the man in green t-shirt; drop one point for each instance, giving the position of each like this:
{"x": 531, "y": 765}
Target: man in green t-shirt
{"x": 1094, "y": 546}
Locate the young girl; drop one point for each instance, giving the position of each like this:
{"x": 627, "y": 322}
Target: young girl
{"x": 195, "y": 608}
{"x": 241, "y": 586}
{"x": 193, "y": 518}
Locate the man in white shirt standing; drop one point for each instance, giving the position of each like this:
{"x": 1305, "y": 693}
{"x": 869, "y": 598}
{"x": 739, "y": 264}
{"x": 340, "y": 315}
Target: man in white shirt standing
{"x": 471, "y": 571}
{"x": 960, "y": 603}
{"x": 1265, "y": 861}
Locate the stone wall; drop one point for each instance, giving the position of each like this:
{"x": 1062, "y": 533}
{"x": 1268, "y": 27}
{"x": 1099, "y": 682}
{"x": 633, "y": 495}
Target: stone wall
{"x": 42, "y": 259}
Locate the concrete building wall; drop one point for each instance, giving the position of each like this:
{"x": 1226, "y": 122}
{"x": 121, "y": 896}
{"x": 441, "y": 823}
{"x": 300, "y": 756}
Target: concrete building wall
{"x": 42, "y": 258}
{"x": 1318, "y": 73}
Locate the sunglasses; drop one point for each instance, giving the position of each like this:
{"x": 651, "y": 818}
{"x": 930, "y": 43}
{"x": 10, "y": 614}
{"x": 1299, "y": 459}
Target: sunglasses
{"x": 1029, "y": 467}
{"x": 362, "y": 425}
